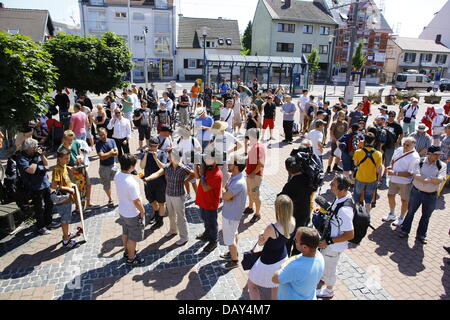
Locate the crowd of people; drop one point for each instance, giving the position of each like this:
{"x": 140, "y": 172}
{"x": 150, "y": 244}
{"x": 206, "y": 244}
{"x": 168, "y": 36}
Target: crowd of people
{"x": 225, "y": 166}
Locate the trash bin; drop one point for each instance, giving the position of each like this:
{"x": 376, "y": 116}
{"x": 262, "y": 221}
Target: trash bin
{"x": 349, "y": 94}
{"x": 362, "y": 87}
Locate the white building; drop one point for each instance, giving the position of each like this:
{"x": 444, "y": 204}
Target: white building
{"x": 66, "y": 28}
{"x": 99, "y": 16}
{"x": 439, "y": 28}
{"x": 222, "y": 39}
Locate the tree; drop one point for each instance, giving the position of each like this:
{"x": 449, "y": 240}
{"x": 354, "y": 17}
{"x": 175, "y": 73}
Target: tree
{"x": 247, "y": 40}
{"x": 88, "y": 63}
{"x": 27, "y": 77}
{"x": 359, "y": 58}
{"x": 313, "y": 60}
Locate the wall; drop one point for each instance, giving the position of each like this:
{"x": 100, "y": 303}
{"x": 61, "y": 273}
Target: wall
{"x": 261, "y": 31}
{"x": 439, "y": 25}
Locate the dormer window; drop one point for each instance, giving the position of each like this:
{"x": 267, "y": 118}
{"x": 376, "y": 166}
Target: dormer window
{"x": 229, "y": 42}
{"x": 221, "y": 41}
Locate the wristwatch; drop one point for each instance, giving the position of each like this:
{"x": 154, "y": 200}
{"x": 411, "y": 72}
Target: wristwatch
{"x": 329, "y": 240}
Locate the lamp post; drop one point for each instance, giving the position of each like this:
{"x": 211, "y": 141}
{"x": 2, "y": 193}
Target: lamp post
{"x": 130, "y": 41}
{"x": 145, "y": 58}
{"x": 204, "y": 34}
{"x": 330, "y": 61}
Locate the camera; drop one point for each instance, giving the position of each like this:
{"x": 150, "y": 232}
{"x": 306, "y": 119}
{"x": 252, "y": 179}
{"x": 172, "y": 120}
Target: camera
{"x": 321, "y": 218}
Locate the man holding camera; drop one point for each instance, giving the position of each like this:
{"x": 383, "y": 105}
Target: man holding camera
{"x": 341, "y": 231}
{"x": 208, "y": 199}
{"x": 32, "y": 164}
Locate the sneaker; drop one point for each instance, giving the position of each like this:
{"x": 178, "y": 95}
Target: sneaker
{"x": 70, "y": 244}
{"x": 231, "y": 264}
{"x": 110, "y": 204}
{"x": 398, "y": 222}
{"x": 337, "y": 168}
{"x": 188, "y": 197}
{"x": 202, "y": 237}
{"x": 170, "y": 234}
{"x": 210, "y": 247}
{"x": 248, "y": 211}
{"x": 325, "y": 293}
{"x": 125, "y": 254}
{"x": 328, "y": 170}
{"x": 373, "y": 204}
{"x": 135, "y": 262}
{"x": 389, "y": 217}
{"x": 226, "y": 256}
{"x": 402, "y": 234}
{"x": 422, "y": 240}
{"x": 44, "y": 231}
{"x": 181, "y": 242}
{"x": 255, "y": 219}
{"x": 271, "y": 138}
{"x": 54, "y": 225}
{"x": 290, "y": 142}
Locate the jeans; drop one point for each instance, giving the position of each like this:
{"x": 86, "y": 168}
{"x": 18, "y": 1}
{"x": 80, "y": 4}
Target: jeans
{"x": 367, "y": 187}
{"x": 43, "y": 207}
{"x": 428, "y": 202}
{"x": 209, "y": 218}
{"x": 122, "y": 148}
{"x": 287, "y": 126}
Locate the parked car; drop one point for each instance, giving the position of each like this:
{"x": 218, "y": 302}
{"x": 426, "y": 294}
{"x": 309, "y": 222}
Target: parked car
{"x": 444, "y": 85}
{"x": 411, "y": 81}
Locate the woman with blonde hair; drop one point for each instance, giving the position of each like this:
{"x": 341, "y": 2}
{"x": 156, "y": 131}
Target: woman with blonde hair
{"x": 274, "y": 253}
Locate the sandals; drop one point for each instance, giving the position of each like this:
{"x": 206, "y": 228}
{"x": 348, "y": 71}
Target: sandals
{"x": 110, "y": 204}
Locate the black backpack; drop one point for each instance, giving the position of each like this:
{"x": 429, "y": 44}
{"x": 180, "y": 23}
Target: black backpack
{"x": 310, "y": 167}
{"x": 361, "y": 220}
{"x": 14, "y": 186}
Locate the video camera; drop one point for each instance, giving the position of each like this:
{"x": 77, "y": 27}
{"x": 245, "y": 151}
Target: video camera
{"x": 302, "y": 157}
{"x": 321, "y": 217}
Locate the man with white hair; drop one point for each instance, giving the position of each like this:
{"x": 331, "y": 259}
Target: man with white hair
{"x": 32, "y": 165}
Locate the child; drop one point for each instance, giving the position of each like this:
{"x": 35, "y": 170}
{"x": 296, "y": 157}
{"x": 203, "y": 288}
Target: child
{"x": 61, "y": 181}
{"x": 163, "y": 116}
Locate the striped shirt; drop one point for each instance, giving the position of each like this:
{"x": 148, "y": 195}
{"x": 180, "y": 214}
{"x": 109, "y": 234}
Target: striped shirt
{"x": 423, "y": 141}
{"x": 175, "y": 179}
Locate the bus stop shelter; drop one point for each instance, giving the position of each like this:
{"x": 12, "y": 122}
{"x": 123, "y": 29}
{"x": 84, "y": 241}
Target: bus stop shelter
{"x": 297, "y": 68}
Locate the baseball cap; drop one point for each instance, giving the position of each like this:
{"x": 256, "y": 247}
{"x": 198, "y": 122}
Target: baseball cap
{"x": 165, "y": 128}
{"x": 434, "y": 150}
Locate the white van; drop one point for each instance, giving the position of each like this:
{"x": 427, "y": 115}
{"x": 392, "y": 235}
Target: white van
{"x": 411, "y": 81}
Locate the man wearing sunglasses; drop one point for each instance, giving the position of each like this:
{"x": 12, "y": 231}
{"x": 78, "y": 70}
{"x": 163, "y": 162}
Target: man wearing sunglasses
{"x": 121, "y": 132}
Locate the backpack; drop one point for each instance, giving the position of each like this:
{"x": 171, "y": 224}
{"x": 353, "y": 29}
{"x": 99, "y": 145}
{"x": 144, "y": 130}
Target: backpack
{"x": 13, "y": 185}
{"x": 446, "y": 120}
{"x": 311, "y": 168}
{"x": 137, "y": 113}
{"x": 349, "y": 143}
{"x": 381, "y": 136}
{"x": 361, "y": 220}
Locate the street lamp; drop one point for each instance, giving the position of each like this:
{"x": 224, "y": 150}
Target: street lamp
{"x": 145, "y": 58}
{"x": 330, "y": 61}
{"x": 204, "y": 34}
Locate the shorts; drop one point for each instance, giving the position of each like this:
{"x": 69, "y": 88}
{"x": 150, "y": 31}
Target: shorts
{"x": 404, "y": 190}
{"x": 65, "y": 212}
{"x": 133, "y": 228}
{"x": 144, "y": 132}
{"x": 81, "y": 136}
{"x": 107, "y": 175}
{"x": 333, "y": 148}
{"x": 253, "y": 186}
{"x": 268, "y": 123}
{"x": 194, "y": 100}
{"x": 229, "y": 231}
{"x": 88, "y": 133}
{"x": 155, "y": 192}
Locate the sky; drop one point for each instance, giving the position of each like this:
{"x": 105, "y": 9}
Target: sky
{"x": 406, "y": 17}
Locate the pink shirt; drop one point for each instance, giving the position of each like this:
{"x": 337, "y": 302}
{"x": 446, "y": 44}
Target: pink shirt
{"x": 78, "y": 120}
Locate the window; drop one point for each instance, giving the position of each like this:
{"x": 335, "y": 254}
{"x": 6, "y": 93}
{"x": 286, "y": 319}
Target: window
{"x": 121, "y": 14}
{"x": 161, "y": 4}
{"x": 306, "y": 48}
{"x": 97, "y": 20}
{"x": 192, "y": 63}
{"x": 323, "y": 49}
{"x": 221, "y": 42}
{"x": 441, "y": 58}
{"x": 162, "y": 44}
{"x": 97, "y": 2}
{"x": 286, "y": 27}
{"x": 210, "y": 44}
{"x": 419, "y": 79}
{"x": 307, "y": 29}
{"x": 377, "y": 39}
{"x": 325, "y": 31}
{"x": 13, "y": 31}
{"x": 229, "y": 42}
{"x": 285, "y": 47}
{"x": 410, "y": 57}
{"x": 138, "y": 16}
{"x": 426, "y": 57}
{"x": 162, "y": 22}
{"x": 139, "y": 38}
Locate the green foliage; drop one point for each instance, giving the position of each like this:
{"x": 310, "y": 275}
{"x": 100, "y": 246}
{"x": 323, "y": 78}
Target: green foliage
{"x": 313, "y": 58}
{"x": 27, "y": 77}
{"x": 89, "y": 63}
{"x": 359, "y": 58}
{"x": 247, "y": 39}
{"x": 245, "y": 52}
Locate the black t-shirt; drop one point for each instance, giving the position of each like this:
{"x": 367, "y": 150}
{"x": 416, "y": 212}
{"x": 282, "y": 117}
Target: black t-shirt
{"x": 208, "y": 94}
{"x": 395, "y": 128}
{"x": 62, "y": 101}
{"x": 151, "y": 167}
{"x": 327, "y": 114}
{"x": 251, "y": 123}
{"x": 171, "y": 95}
{"x": 269, "y": 110}
{"x": 297, "y": 190}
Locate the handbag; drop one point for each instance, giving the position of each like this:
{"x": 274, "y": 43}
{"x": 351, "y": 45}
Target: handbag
{"x": 59, "y": 197}
{"x": 250, "y": 258}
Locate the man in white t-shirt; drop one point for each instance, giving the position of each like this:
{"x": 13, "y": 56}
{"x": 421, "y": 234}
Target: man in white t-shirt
{"x": 304, "y": 99}
{"x": 132, "y": 213}
{"x": 408, "y": 114}
{"x": 316, "y": 137}
{"x": 224, "y": 144}
{"x": 191, "y": 149}
{"x": 227, "y": 114}
{"x": 341, "y": 232}
{"x": 400, "y": 174}
{"x": 134, "y": 98}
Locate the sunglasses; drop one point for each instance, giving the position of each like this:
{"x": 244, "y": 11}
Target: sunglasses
{"x": 407, "y": 144}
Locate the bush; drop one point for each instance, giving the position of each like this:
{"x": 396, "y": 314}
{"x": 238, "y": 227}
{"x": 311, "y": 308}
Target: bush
{"x": 374, "y": 97}
{"x": 410, "y": 94}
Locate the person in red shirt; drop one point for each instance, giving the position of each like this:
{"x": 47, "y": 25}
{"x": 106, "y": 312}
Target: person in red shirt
{"x": 366, "y": 106}
{"x": 447, "y": 108}
{"x": 208, "y": 199}
{"x": 254, "y": 170}
{"x": 427, "y": 119}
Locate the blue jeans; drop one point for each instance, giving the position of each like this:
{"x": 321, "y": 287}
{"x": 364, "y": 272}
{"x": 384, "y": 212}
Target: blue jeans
{"x": 428, "y": 202}
{"x": 367, "y": 187}
{"x": 209, "y": 218}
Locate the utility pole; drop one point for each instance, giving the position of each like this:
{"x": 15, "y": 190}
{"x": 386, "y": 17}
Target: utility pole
{"x": 130, "y": 41}
{"x": 145, "y": 58}
{"x": 349, "y": 95}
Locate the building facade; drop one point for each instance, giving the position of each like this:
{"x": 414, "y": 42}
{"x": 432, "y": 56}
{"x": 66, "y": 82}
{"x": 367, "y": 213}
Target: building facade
{"x": 425, "y": 56}
{"x": 99, "y": 16}
{"x": 222, "y": 38}
{"x": 292, "y": 28}
{"x": 372, "y": 29}
{"x": 439, "y": 27}
{"x": 66, "y": 28}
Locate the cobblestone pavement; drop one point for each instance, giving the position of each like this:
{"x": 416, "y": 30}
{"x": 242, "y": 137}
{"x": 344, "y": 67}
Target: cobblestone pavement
{"x": 382, "y": 267}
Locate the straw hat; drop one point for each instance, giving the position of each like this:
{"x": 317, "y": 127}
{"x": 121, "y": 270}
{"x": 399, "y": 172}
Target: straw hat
{"x": 220, "y": 125}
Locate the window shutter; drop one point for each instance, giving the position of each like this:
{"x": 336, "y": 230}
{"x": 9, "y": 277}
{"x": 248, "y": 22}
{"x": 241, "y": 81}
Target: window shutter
{"x": 186, "y": 63}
